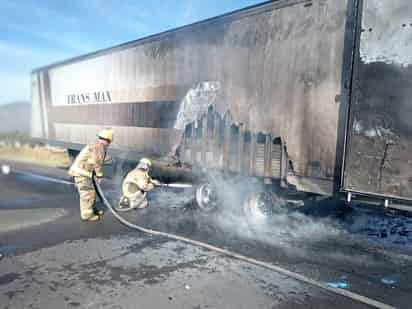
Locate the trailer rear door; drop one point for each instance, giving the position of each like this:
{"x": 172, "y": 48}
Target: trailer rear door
{"x": 379, "y": 144}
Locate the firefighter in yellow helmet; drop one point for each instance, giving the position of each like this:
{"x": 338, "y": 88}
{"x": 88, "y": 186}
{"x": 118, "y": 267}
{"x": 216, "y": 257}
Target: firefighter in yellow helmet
{"x": 135, "y": 186}
{"x": 87, "y": 164}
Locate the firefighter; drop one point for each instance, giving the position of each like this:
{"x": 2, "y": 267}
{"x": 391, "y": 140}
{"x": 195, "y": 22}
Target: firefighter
{"x": 87, "y": 164}
{"x": 136, "y": 185}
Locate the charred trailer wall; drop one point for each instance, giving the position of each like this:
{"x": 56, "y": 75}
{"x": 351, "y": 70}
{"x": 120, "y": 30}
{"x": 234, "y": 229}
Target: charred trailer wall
{"x": 258, "y": 92}
{"x": 379, "y": 148}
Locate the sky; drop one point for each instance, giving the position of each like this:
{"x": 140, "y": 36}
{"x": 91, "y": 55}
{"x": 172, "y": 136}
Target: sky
{"x": 35, "y": 33}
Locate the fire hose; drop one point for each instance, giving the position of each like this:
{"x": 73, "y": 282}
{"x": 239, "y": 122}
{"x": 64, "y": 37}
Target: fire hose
{"x": 348, "y": 294}
{"x": 176, "y": 185}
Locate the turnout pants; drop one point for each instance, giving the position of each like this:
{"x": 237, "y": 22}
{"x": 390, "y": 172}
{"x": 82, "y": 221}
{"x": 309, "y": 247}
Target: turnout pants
{"x": 139, "y": 200}
{"x": 136, "y": 200}
{"x": 87, "y": 194}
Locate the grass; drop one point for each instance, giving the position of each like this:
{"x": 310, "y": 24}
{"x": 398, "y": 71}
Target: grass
{"x": 19, "y": 147}
{"x": 12, "y": 137}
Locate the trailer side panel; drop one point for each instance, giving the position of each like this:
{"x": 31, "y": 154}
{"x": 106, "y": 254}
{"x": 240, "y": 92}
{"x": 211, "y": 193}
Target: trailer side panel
{"x": 272, "y": 77}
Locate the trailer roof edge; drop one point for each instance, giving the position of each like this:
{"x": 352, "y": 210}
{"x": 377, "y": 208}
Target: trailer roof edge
{"x": 246, "y": 10}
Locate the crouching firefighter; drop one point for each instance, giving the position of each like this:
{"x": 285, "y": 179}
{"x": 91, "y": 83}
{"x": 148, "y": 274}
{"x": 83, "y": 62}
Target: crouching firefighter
{"x": 89, "y": 163}
{"x": 135, "y": 186}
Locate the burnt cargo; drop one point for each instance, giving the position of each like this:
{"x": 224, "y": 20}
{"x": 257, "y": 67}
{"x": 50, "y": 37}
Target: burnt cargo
{"x": 265, "y": 91}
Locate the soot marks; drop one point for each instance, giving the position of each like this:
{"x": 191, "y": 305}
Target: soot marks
{"x": 366, "y": 30}
{"x": 384, "y": 92}
{"x": 402, "y": 26}
{"x": 74, "y": 304}
{"x": 102, "y": 273}
{"x": 381, "y": 129}
{"x": 9, "y": 278}
{"x": 370, "y": 29}
{"x": 218, "y": 141}
{"x": 152, "y": 274}
{"x": 153, "y": 243}
{"x": 11, "y": 294}
{"x": 160, "y": 48}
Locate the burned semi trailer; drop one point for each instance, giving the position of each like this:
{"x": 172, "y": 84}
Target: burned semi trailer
{"x": 313, "y": 95}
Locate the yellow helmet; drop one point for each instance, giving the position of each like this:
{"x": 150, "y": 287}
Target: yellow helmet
{"x": 106, "y": 134}
{"x": 144, "y": 163}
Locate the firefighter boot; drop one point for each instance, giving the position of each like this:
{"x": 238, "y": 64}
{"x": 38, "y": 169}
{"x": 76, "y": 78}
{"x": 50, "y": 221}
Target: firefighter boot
{"x": 92, "y": 218}
{"x": 98, "y": 212}
{"x": 124, "y": 203}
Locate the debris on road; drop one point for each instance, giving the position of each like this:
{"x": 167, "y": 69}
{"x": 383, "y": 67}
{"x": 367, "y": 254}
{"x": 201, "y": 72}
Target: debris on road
{"x": 341, "y": 283}
{"x": 381, "y": 227}
{"x": 337, "y": 285}
{"x": 391, "y": 279}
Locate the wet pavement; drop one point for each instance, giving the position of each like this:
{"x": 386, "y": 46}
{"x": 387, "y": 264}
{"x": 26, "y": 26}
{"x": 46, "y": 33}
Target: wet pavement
{"x": 339, "y": 251}
{"x": 66, "y": 263}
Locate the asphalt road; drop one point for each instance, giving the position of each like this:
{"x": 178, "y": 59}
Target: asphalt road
{"x": 53, "y": 260}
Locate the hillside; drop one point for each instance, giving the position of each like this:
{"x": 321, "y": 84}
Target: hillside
{"x": 15, "y": 117}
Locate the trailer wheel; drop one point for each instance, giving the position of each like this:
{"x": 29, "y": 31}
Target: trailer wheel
{"x": 206, "y": 197}
{"x": 260, "y": 206}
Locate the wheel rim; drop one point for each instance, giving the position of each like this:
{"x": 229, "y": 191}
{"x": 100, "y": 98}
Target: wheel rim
{"x": 261, "y": 205}
{"x": 206, "y": 197}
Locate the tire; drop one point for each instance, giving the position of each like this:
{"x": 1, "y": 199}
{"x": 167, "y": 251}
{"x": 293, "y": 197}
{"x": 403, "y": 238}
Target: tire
{"x": 206, "y": 198}
{"x": 260, "y": 206}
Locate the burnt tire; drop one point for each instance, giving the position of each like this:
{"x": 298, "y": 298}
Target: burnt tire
{"x": 260, "y": 206}
{"x": 206, "y": 198}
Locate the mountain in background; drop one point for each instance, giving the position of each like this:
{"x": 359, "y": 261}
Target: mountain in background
{"x": 15, "y": 116}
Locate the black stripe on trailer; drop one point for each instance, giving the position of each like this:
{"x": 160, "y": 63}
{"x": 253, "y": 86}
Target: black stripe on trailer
{"x": 158, "y": 114}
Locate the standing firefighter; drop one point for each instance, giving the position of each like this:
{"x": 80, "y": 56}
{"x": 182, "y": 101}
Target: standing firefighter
{"x": 136, "y": 185}
{"x": 89, "y": 163}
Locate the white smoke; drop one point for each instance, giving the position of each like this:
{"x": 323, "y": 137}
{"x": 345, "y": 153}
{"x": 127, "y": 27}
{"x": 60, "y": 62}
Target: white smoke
{"x": 196, "y": 102}
{"x": 283, "y": 229}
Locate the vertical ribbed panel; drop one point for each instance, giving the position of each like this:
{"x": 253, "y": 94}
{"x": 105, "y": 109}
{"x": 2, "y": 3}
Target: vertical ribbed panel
{"x": 260, "y": 160}
{"x": 219, "y": 144}
{"x": 276, "y": 157}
